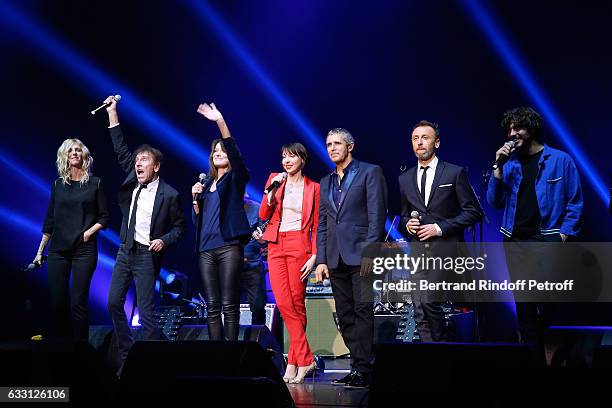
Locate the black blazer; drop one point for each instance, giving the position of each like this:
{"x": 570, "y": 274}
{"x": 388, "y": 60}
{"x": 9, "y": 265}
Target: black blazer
{"x": 231, "y": 187}
{"x": 167, "y": 220}
{"x": 359, "y": 221}
{"x": 452, "y": 205}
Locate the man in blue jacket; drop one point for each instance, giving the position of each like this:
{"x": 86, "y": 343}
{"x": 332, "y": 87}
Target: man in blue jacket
{"x": 539, "y": 190}
{"x": 352, "y": 215}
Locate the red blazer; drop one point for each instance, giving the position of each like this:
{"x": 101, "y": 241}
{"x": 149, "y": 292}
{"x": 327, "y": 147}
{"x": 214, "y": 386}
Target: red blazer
{"x": 310, "y": 213}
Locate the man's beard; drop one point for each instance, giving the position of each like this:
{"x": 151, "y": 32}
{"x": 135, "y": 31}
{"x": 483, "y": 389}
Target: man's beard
{"x": 425, "y": 156}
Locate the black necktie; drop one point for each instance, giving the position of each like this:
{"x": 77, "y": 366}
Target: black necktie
{"x": 423, "y": 180}
{"x": 129, "y": 240}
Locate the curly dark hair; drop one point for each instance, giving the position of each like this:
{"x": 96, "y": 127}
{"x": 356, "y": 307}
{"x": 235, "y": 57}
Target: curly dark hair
{"x": 526, "y": 118}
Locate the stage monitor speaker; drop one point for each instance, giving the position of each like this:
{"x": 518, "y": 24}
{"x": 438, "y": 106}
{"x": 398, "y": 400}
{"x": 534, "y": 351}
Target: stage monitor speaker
{"x": 231, "y": 373}
{"x": 58, "y": 364}
{"x": 321, "y": 330}
{"x": 258, "y": 334}
{"x": 273, "y": 319}
{"x": 448, "y": 373}
{"x": 602, "y": 360}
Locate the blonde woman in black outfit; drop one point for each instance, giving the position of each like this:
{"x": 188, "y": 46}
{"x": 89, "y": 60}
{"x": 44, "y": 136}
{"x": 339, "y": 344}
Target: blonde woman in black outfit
{"x": 77, "y": 211}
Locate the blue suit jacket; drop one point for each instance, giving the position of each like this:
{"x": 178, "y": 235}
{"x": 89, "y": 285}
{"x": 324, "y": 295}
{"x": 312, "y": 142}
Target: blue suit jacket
{"x": 231, "y": 186}
{"x": 345, "y": 230}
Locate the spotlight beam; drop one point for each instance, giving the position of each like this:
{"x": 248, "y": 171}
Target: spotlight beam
{"x": 98, "y": 84}
{"x": 212, "y": 19}
{"x": 513, "y": 61}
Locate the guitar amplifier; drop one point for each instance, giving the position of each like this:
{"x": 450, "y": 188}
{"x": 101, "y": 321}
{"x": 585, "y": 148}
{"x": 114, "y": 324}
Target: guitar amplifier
{"x": 321, "y": 330}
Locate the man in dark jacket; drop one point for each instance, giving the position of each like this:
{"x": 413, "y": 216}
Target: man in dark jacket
{"x": 152, "y": 222}
{"x": 446, "y": 204}
{"x": 352, "y": 214}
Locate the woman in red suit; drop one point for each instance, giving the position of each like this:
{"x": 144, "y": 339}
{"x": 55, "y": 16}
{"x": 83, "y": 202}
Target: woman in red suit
{"x": 293, "y": 210}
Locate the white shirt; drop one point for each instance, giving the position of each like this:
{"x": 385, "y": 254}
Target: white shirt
{"x": 431, "y": 172}
{"x": 144, "y": 211}
{"x": 292, "y": 207}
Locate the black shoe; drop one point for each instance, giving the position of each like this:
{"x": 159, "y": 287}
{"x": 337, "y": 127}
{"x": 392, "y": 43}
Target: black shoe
{"x": 344, "y": 380}
{"x": 359, "y": 380}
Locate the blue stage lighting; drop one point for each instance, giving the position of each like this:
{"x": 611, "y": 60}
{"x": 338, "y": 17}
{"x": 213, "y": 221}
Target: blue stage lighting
{"x": 166, "y": 276}
{"x": 519, "y": 69}
{"x": 22, "y": 171}
{"x": 45, "y": 188}
{"x": 98, "y": 84}
{"x": 25, "y": 225}
{"x": 211, "y": 19}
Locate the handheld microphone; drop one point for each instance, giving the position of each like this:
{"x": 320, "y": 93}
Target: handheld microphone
{"x": 502, "y": 158}
{"x": 35, "y": 265}
{"x": 414, "y": 215}
{"x": 105, "y": 105}
{"x": 275, "y": 184}
{"x": 198, "y": 196}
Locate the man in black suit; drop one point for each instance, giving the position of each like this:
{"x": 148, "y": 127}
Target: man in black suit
{"x": 152, "y": 222}
{"x": 352, "y": 214}
{"x": 443, "y": 197}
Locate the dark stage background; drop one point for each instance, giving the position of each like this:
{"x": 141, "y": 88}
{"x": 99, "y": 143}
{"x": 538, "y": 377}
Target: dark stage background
{"x": 286, "y": 71}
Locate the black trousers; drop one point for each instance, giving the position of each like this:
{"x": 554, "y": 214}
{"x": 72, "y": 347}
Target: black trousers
{"x": 220, "y": 269}
{"x": 253, "y": 286}
{"x": 353, "y": 295}
{"x": 135, "y": 265}
{"x": 532, "y": 317}
{"x": 428, "y": 313}
{"x": 69, "y": 304}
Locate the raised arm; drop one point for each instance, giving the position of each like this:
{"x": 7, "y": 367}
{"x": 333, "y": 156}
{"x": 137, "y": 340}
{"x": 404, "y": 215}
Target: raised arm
{"x": 211, "y": 113}
{"x": 125, "y": 157}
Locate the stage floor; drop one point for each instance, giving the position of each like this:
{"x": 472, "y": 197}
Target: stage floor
{"x": 318, "y": 391}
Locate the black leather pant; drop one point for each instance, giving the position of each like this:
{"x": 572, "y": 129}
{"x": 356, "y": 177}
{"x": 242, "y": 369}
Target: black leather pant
{"x": 220, "y": 269}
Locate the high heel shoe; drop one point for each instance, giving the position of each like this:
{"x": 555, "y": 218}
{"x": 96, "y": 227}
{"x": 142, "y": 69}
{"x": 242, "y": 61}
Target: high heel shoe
{"x": 303, "y": 372}
{"x": 288, "y": 377}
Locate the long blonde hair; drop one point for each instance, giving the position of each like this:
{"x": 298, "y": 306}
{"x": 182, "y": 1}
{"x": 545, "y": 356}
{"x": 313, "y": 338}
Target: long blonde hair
{"x": 63, "y": 164}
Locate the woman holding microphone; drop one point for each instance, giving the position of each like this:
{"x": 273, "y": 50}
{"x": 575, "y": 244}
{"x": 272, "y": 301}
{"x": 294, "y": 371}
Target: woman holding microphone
{"x": 292, "y": 206}
{"x": 221, "y": 225}
{"x": 76, "y": 212}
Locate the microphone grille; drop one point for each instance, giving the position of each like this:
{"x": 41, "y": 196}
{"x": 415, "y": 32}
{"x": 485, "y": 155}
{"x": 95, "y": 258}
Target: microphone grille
{"x": 414, "y": 214}
{"x": 202, "y": 176}
{"x": 117, "y": 97}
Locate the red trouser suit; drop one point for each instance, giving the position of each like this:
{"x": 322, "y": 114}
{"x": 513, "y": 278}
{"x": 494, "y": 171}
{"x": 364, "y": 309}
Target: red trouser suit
{"x": 287, "y": 253}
